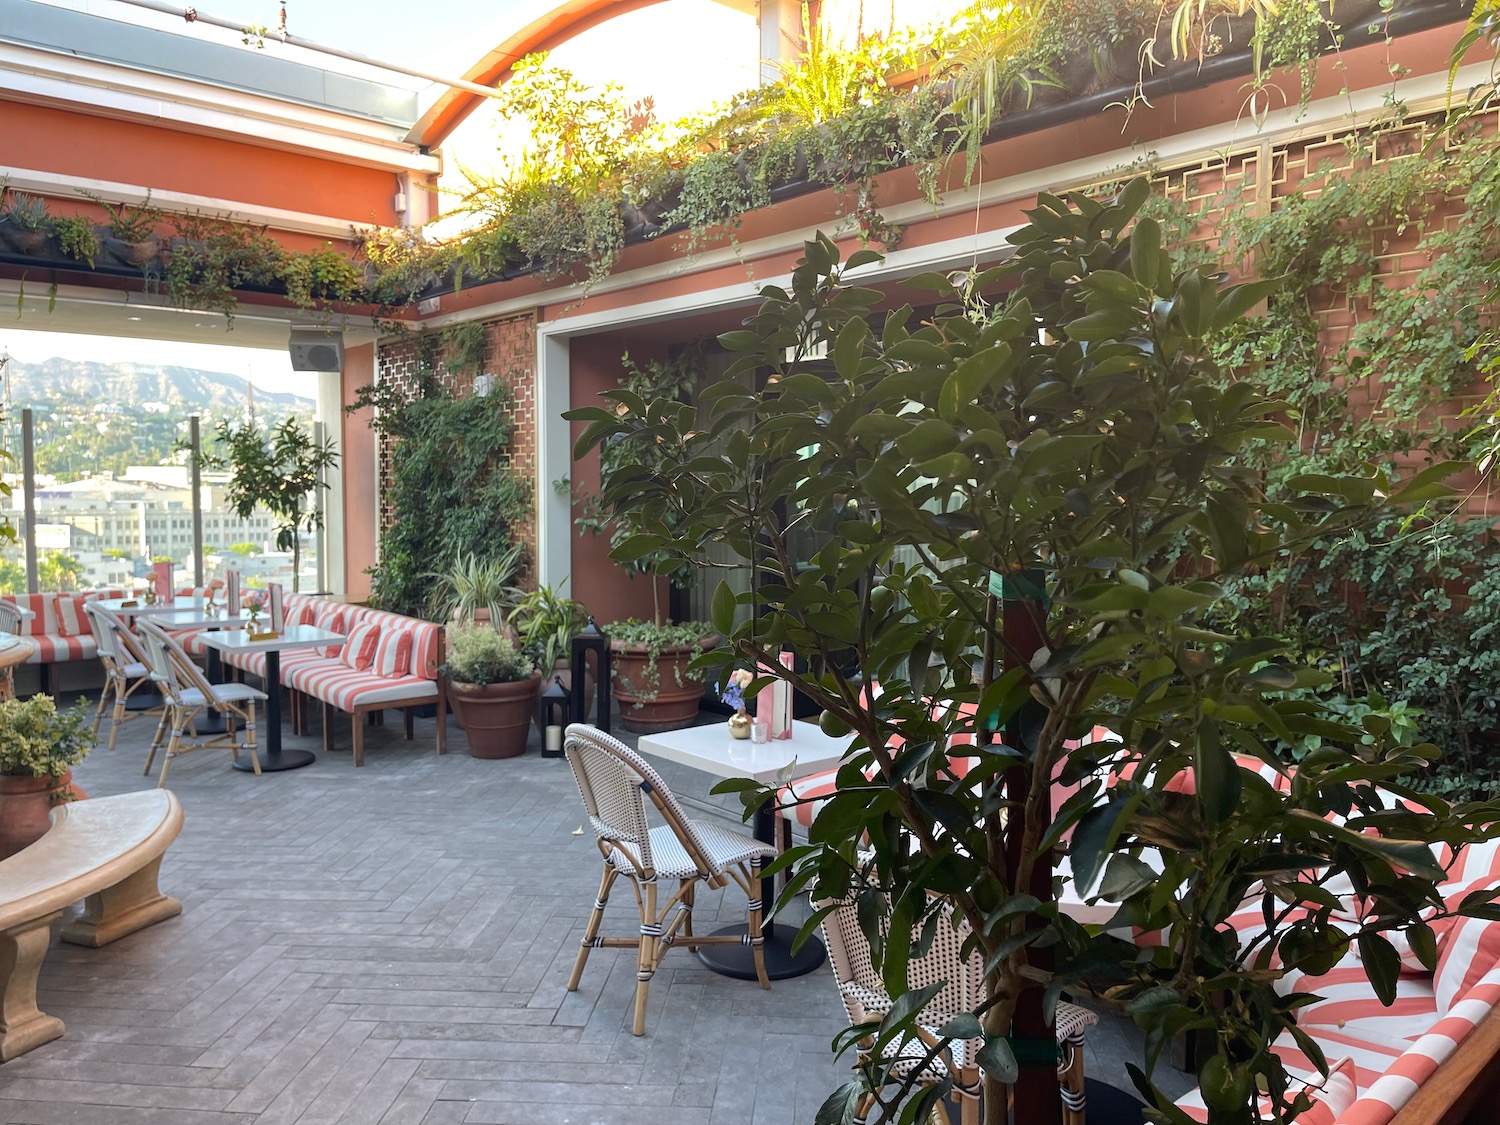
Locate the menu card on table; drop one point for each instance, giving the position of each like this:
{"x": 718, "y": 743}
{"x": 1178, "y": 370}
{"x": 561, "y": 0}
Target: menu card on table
{"x": 774, "y": 704}
{"x": 232, "y": 591}
{"x": 278, "y": 615}
{"x": 163, "y": 579}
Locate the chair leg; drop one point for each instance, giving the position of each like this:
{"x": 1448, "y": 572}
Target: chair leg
{"x": 1070, "y": 1082}
{"x": 359, "y": 739}
{"x": 591, "y": 931}
{"x": 411, "y": 723}
{"x": 647, "y": 957}
{"x": 109, "y": 682}
{"x": 327, "y": 728}
{"x": 754, "y": 910}
{"x": 172, "y": 744}
{"x": 116, "y": 716}
{"x": 250, "y": 737}
{"x": 161, "y": 729}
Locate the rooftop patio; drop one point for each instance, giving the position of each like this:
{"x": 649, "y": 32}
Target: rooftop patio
{"x": 391, "y": 945}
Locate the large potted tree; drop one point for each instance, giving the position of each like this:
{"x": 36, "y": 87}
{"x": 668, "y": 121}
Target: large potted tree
{"x": 1036, "y": 500}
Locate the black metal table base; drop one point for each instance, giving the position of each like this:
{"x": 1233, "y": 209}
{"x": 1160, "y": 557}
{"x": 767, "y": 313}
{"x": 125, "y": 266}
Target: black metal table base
{"x": 271, "y": 763}
{"x": 736, "y": 960}
{"x": 142, "y": 699}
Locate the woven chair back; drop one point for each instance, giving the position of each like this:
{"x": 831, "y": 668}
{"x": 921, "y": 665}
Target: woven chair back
{"x": 615, "y": 783}
{"x": 943, "y": 962}
{"x": 10, "y": 617}
{"x": 170, "y": 666}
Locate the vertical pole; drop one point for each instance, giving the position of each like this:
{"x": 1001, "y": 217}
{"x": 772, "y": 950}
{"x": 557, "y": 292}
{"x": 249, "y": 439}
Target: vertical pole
{"x": 320, "y": 530}
{"x": 195, "y": 443}
{"x": 28, "y": 493}
{"x": 1036, "y": 1099}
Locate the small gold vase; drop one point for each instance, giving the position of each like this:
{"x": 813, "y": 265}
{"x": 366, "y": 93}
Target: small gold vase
{"x": 739, "y": 724}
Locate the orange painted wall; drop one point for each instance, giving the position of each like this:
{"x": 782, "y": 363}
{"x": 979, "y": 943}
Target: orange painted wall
{"x": 358, "y": 475}
{"x": 74, "y": 144}
{"x": 607, "y": 590}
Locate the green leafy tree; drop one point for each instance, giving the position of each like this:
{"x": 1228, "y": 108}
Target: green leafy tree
{"x": 58, "y": 570}
{"x": 244, "y": 549}
{"x": 1036, "y": 506}
{"x": 279, "y": 472}
{"x": 12, "y": 577}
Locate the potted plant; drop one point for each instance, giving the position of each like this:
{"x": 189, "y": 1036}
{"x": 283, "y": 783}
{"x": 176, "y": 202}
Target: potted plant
{"x": 25, "y": 223}
{"x": 652, "y": 681}
{"x": 478, "y": 589}
{"x": 38, "y": 746}
{"x": 545, "y": 623}
{"x": 493, "y": 688}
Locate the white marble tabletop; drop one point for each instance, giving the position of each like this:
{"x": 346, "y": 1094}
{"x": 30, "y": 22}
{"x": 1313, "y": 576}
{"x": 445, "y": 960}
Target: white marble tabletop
{"x": 714, "y": 750}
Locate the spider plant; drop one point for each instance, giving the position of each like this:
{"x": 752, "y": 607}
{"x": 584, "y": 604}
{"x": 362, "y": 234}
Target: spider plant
{"x": 476, "y": 583}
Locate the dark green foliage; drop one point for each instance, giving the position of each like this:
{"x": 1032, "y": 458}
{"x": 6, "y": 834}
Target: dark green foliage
{"x": 452, "y": 488}
{"x": 1097, "y": 463}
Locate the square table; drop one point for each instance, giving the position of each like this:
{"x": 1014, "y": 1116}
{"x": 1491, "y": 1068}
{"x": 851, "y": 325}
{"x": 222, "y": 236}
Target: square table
{"x": 293, "y": 636}
{"x": 714, "y": 750}
{"x": 137, "y": 607}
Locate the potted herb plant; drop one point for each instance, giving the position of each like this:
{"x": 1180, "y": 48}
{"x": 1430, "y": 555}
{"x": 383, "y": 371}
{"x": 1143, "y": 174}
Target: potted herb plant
{"x": 38, "y": 746}
{"x": 25, "y": 223}
{"x": 493, "y": 688}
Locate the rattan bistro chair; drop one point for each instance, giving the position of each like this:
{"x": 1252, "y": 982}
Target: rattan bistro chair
{"x": 125, "y": 670}
{"x": 615, "y": 782}
{"x": 863, "y": 992}
{"x": 10, "y": 618}
{"x": 187, "y": 691}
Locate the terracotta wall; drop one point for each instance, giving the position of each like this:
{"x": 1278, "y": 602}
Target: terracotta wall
{"x": 605, "y": 588}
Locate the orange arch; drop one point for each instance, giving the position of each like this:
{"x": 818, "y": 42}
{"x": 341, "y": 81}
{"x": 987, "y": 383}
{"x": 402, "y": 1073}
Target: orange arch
{"x": 570, "y": 18}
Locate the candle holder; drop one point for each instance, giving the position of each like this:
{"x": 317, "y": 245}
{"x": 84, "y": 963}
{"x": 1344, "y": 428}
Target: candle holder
{"x": 553, "y": 711}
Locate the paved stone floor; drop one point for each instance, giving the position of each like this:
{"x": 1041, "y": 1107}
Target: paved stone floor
{"x": 390, "y": 945}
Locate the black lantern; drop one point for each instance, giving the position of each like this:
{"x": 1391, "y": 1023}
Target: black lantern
{"x": 588, "y": 640}
{"x": 553, "y": 710}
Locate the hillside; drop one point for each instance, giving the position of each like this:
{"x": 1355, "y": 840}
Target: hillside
{"x": 76, "y": 385}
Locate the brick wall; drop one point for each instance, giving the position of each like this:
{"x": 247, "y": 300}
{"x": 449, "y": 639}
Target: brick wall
{"x": 510, "y": 356}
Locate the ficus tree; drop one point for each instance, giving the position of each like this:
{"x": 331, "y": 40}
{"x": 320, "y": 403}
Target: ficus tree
{"x": 1033, "y": 503}
{"x": 279, "y": 471}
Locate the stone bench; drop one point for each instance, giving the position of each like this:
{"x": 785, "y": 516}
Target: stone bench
{"x": 106, "y": 851}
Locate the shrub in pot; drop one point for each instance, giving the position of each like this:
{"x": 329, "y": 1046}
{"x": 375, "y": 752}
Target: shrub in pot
{"x": 38, "y": 745}
{"x": 493, "y": 689}
{"x": 479, "y": 589}
{"x": 545, "y": 624}
{"x": 652, "y": 683}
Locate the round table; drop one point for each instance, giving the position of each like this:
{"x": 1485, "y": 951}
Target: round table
{"x": 13, "y": 650}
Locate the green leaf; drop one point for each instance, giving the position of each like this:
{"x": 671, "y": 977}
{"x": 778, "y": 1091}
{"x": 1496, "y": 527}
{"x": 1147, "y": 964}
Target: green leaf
{"x": 722, "y": 611}
{"x": 998, "y": 1061}
{"x": 1381, "y": 963}
{"x": 1145, "y": 250}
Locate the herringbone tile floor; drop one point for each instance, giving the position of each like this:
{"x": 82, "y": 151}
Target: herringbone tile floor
{"x": 390, "y": 945}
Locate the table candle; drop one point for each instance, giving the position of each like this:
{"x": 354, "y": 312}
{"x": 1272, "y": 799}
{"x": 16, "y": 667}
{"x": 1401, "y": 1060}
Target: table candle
{"x": 554, "y": 738}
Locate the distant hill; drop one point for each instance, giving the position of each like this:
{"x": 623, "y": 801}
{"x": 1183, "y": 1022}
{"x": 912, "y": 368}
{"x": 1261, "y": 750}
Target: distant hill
{"x": 65, "y": 384}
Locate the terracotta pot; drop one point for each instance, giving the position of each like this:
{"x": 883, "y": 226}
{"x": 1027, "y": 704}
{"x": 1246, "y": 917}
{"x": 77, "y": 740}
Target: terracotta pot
{"x": 666, "y": 700}
{"x": 24, "y": 805}
{"x": 496, "y": 718}
{"x": 64, "y": 790}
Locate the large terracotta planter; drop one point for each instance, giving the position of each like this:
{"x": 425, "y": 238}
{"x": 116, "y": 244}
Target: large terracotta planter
{"x": 496, "y": 718}
{"x": 24, "y": 805}
{"x": 664, "y": 700}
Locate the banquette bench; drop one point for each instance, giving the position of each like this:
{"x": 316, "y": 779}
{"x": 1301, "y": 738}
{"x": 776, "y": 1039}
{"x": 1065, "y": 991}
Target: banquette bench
{"x": 58, "y": 630}
{"x": 387, "y": 662}
{"x": 106, "y": 851}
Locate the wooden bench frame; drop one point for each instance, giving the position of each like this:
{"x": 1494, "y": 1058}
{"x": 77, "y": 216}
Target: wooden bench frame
{"x": 106, "y": 851}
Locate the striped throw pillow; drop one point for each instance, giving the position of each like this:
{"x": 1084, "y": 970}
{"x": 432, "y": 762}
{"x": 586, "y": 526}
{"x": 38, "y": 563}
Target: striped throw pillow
{"x": 359, "y": 649}
{"x": 68, "y": 609}
{"x": 393, "y": 654}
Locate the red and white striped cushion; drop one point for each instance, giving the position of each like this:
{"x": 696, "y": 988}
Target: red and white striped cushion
{"x": 393, "y": 653}
{"x": 335, "y": 619}
{"x": 68, "y": 609}
{"x": 1471, "y": 950}
{"x": 1331, "y": 1096}
{"x": 54, "y": 649}
{"x": 359, "y": 649}
{"x": 344, "y": 688}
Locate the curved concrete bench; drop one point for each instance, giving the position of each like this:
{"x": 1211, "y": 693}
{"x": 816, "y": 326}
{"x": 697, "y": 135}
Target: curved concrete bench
{"x": 107, "y": 851}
